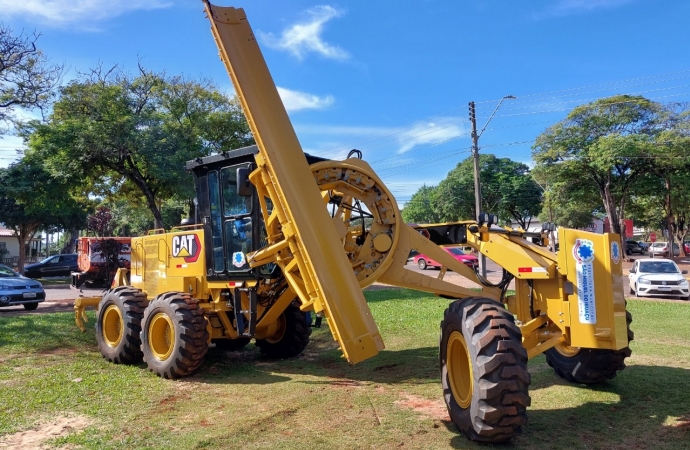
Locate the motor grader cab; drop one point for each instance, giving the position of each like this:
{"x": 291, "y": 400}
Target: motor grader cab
{"x": 305, "y": 234}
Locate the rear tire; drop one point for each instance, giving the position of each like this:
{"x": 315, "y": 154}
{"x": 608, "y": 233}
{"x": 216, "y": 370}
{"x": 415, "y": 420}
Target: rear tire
{"x": 484, "y": 370}
{"x": 290, "y": 339}
{"x": 30, "y": 306}
{"x": 174, "y": 338}
{"x": 422, "y": 264}
{"x": 118, "y": 324}
{"x": 589, "y": 366}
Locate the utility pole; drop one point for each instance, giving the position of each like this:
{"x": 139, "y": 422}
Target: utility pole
{"x": 475, "y": 156}
{"x": 477, "y": 186}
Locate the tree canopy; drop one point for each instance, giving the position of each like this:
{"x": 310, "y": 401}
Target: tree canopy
{"x": 31, "y": 199}
{"x": 604, "y": 145}
{"x": 27, "y": 79}
{"x": 507, "y": 189}
{"x": 131, "y": 135}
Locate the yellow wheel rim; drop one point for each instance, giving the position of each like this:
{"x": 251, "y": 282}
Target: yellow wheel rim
{"x": 566, "y": 350}
{"x": 113, "y": 326}
{"x": 459, "y": 366}
{"x": 161, "y": 336}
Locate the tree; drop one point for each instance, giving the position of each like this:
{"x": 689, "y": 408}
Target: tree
{"x": 27, "y": 80}
{"x": 606, "y": 144}
{"x": 420, "y": 208}
{"x": 31, "y": 199}
{"x": 571, "y": 204}
{"x": 507, "y": 189}
{"x": 99, "y": 222}
{"x": 134, "y": 134}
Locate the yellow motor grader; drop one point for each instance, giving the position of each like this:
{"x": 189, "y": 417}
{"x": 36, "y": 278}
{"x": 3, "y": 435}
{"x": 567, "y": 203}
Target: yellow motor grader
{"x": 278, "y": 233}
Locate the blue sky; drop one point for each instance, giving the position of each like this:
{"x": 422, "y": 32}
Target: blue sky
{"x": 393, "y": 78}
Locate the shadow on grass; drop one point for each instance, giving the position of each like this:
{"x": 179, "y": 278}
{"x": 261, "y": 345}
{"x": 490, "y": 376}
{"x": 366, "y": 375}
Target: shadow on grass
{"x": 648, "y": 397}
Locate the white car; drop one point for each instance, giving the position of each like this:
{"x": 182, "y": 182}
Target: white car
{"x": 658, "y": 277}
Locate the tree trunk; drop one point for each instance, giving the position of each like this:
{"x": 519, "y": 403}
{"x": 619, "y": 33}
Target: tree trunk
{"x": 24, "y": 233}
{"x": 70, "y": 243}
{"x": 669, "y": 216}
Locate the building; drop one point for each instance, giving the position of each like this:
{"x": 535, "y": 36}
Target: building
{"x": 9, "y": 247}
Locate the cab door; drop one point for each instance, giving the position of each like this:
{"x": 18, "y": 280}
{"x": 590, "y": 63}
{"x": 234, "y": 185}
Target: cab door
{"x": 232, "y": 226}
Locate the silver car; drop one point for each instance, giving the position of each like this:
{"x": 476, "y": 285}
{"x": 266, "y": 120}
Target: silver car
{"x": 661, "y": 249}
{"x": 16, "y": 289}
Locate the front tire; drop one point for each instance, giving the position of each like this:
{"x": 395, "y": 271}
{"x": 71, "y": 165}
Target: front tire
{"x": 30, "y": 306}
{"x": 589, "y": 366}
{"x": 484, "y": 370}
{"x": 118, "y": 325}
{"x": 291, "y": 337}
{"x": 422, "y": 264}
{"x": 174, "y": 338}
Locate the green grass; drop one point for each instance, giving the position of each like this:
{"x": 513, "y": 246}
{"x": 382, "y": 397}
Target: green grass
{"x": 50, "y": 370}
{"x": 55, "y": 281}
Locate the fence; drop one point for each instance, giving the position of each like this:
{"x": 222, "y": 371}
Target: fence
{"x": 14, "y": 260}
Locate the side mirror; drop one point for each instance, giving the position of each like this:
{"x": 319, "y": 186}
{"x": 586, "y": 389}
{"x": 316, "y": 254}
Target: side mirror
{"x": 244, "y": 187}
{"x": 632, "y": 270}
{"x": 684, "y": 272}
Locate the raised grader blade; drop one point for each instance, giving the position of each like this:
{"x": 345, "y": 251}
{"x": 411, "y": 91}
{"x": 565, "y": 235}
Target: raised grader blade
{"x": 568, "y": 305}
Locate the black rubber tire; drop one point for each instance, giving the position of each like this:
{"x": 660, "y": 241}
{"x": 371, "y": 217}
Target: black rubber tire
{"x": 123, "y": 347}
{"x": 231, "y": 345}
{"x": 187, "y": 328}
{"x": 292, "y": 337}
{"x": 30, "y": 306}
{"x": 632, "y": 291}
{"x": 497, "y": 399}
{"x": 422, "y": 264}
{"x": 591, "y": 366}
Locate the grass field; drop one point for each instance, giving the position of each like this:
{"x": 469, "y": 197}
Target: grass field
{"x": 56, "y": 390}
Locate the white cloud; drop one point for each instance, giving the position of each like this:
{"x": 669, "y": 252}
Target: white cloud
{"x": 304, "y": 37}
{"x": 429, "y": 133}
{"x": 296, "y": 100}
{"x": 81, "y": 12}
{"x": 567, "y": 7}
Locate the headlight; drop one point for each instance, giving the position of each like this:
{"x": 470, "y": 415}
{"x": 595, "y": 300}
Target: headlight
{"x": 683, "y": 282}
{"x": 643, "y": 281}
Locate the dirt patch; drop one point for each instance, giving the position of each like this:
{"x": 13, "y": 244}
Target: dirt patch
{"x": 435, "y": 409}
{"x": 35, "y": 438}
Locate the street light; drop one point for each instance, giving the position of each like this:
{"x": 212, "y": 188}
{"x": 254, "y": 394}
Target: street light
{"x": 475, "y": 155}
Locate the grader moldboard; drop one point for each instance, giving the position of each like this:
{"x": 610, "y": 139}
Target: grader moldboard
{"x": 278, "y": 233}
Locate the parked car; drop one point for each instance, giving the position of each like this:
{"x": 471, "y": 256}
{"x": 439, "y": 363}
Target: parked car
{"x": 658, "y": 278}
{"x": 633, "y": 247}
{"x": 53, "y": 266}
{"x": 686, "y": 247}
{"x": 662, "y": 249}
{"x": 16, "y": 289}
{"x": 644, "y": 246}
{"x": 424, "y": 261}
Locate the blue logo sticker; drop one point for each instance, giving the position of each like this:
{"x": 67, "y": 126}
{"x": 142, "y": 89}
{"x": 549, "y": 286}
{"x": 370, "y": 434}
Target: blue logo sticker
{"x": 583, "y": 251}
{"x": 615, "y": 252}
{"x": 238, "y": 259}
